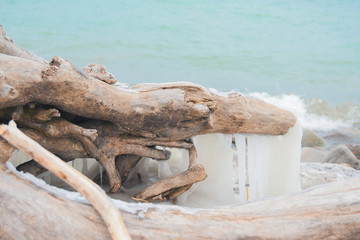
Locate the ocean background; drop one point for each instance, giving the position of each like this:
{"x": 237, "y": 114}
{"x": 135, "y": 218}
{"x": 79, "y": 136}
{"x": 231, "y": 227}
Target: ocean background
{"x": 303, "y": 56}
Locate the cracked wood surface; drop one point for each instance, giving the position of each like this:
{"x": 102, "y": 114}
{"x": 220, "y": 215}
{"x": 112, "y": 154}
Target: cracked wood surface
{"x": 330, "y": 211}
{"x": 164, "y": 111}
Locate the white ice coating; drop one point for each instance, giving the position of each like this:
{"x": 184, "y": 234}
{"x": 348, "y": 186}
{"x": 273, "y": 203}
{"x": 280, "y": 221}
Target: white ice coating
{"x": 101, "y": 174}
{"x": 133, "y": 208}
{"x": 216, "y": 155}
{"x": 273, "y": 168}
{"x": 87, "y": 166}
{"x": 163, "y": 169}
{"x": 273, "y": 164}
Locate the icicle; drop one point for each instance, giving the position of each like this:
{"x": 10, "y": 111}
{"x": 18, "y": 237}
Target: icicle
{"x": 101, "y": 174}
{"x": 147, "y": 168}
{"x": 240, "y": 145}
{"x": 216, "y": 155}
{"x": 268, "y": 165}
{"x": 179, "y": 160}
{"x": 251, "y": 170}
{"x": 235, "y": 166}
{"x": 84, "y": 169}
{"x": 163, "y": 169}
{"x": 284, "y": 164}
{"x": 247, "y": 180}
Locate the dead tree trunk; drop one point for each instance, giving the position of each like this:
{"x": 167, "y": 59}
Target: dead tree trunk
{"x": 330, "y": 211}
{"x": 174, "y": 111}
{"x": 56, "y": 103}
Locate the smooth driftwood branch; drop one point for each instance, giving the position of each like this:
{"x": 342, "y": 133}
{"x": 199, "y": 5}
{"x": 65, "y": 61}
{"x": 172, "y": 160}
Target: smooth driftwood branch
{"x": 164, "y": 189}
{"x": 330, "y": 211}
{"x": 6, "y": 151}
{"x": 78, "y": 181}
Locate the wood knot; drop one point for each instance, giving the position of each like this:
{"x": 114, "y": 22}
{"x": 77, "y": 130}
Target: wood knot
{"x": 55, "y": 61}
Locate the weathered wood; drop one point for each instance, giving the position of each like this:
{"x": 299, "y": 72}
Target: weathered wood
{"x": 164, "y": 189}
{"x": 6, "y": 151}
{"x": 118, "y": 125}
{"x": 99, "y": 72}
{"x": 329, "y": 211}
{"x": 28, "y": 212}
{"x": 96, "y": 196}
{"x": 164, "y": 111}
{"x": 8, "y": 47}
{"x": 60, "y": 102}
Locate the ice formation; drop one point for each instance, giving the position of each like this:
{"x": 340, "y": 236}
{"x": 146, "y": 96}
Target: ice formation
{"x": 216, "y": 155}
{"x": 266, "y": 165}
{"x": 164, "y": 170}
{"x": 273, "y": 164}
{"x": 239, "y": 168}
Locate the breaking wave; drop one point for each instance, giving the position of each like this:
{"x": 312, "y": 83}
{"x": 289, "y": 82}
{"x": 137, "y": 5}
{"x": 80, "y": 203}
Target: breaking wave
{"x": 315, "y": 114}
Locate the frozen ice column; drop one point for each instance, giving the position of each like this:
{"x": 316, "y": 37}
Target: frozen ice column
{"x": 273, "y": 164}
{"x": 265, "y": 164}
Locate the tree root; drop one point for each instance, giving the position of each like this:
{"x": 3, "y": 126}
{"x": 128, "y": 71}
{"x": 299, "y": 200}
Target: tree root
{"x": 118, "y": 154}
{"x": 171, "y": 187}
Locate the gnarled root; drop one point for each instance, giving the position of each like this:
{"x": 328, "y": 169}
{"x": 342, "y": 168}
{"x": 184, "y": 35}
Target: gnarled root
{"x": 118, "y": 154}
{"x": 171, "y": 187}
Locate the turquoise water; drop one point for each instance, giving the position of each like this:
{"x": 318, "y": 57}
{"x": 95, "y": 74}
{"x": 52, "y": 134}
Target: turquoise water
{"x": 307, "y": 48}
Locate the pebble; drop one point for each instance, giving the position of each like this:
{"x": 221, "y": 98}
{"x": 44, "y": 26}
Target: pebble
{"x": 342, "y": 154}
{"x": 311, "y": 139}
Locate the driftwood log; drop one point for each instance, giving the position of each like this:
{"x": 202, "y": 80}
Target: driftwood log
{"x": 330, "y": 211}
{"x": 76, "y": 114}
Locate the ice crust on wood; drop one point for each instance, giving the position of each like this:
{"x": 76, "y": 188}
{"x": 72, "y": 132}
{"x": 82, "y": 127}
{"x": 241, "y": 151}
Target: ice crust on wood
{"x": 272, "y": 170}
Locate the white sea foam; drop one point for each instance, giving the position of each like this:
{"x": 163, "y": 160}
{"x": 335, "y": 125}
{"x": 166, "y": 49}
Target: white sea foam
{"x": 315, "y": 114}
